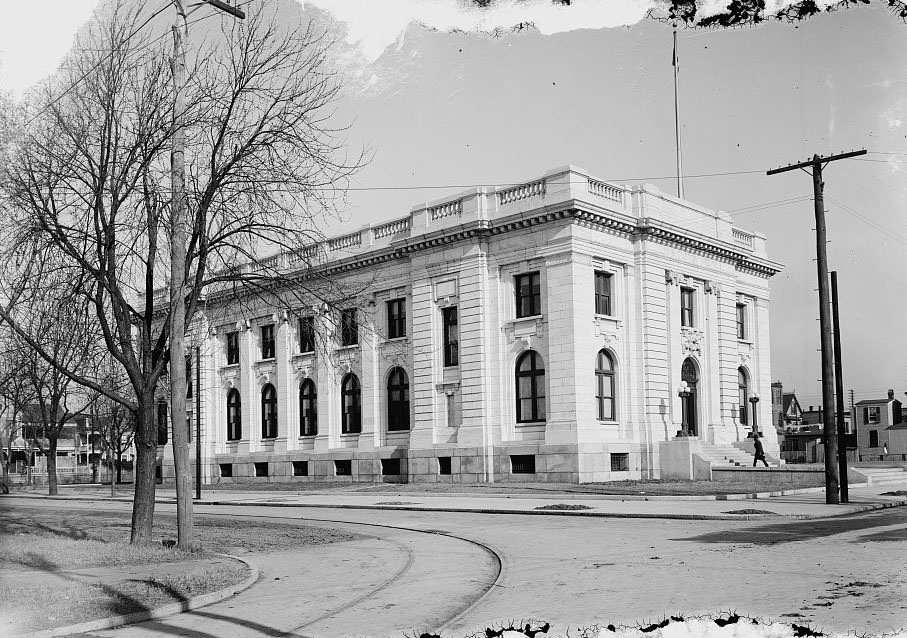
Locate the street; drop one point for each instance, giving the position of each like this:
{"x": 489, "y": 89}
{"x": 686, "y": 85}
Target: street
{"x": 477, "y": 570}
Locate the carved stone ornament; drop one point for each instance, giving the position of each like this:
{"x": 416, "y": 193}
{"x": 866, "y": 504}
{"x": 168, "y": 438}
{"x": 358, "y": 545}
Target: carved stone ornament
{"x": 228, "y": 380}
{"x": 691, "y": 341}
{"x": 708, "y": 287}
{"x": 609, "y": 329}
{"x": 265, "y": 373}
{"x": 671, "y": 277}
{"x": 745, "y": 352}
{"x": 524, "y": 332}
{"x": 448, "y": 388}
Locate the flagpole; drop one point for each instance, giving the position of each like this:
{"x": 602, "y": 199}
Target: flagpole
{"x": 677, "y": 120}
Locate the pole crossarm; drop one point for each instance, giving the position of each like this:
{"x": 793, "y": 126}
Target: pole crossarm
{"x": 226, "y": 8}
{"x": 815, "y": 160}
{"x": 830, "y": 434}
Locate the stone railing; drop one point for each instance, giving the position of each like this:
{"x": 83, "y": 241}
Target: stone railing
{"x": 446, "y": 210}
{"x": 345, "y": 241}
{"x": 521, "y": 191}
{"x": 606, "y": 190}
{"x": 742, "y": 237}
{"x": 391, "y": 228}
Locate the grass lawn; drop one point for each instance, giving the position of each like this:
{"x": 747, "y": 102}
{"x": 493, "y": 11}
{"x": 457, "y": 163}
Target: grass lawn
{"x": 650, "y": 487}
{"x": 64, "y": 567}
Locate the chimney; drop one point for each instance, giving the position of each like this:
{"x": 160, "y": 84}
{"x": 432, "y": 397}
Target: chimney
{"x": 891, "y": 395}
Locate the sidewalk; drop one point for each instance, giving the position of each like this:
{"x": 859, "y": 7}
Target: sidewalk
{"x": 806, "y": 503}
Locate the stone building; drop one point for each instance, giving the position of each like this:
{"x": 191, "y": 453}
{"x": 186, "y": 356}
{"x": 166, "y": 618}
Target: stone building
{"x": 539, "y": 331}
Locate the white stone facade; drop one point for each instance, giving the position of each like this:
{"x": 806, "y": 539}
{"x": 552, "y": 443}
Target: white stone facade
{"x": 468, "y": 252}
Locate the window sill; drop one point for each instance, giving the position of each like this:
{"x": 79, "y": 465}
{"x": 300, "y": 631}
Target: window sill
{"x": 398, "y": 431}
{"x": 349, "y": 435}
{"x": 268, "y": 439}
{"x": 524, "y": 424}
{"x": 233, "y": 441}
{"x": 396, "y": 339}
{"x": 231, "y": 366}
{"x": 268, "y": 360}
{"x": 607, "y": 421}
{"x": 748, "y": 342}
{"x": 350, "y": 346}
{"x": 307, "y": 436}
{"x": 598, "y": 315}
{"x": 528, "y": 318}
{"x": 309, "y": 353}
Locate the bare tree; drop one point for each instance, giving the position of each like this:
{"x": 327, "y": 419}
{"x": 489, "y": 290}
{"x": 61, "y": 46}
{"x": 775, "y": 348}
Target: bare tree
{"x": 16, "y": 391}
{"x": 112, "y": 424}
{"x": 60, "y": 324}
{"x": 88, "y": 178}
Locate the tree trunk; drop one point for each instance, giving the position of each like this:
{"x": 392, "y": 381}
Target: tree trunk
{"x": 119, "y": 466}
{"x": 143, "y": 471}
{"x": 113, "y": 483}
{"x": 52, "y": 465}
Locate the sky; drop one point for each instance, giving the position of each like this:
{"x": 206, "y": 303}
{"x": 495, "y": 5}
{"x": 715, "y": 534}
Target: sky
{"x": 591, "y": 85}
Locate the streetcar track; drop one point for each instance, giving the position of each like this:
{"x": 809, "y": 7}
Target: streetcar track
{"x": 410, "y": 560}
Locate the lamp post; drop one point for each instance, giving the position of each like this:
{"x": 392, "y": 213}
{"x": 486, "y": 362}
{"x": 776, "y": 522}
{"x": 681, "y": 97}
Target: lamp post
{"x": 684, "y": 393}
{"x": 755, "y": 401}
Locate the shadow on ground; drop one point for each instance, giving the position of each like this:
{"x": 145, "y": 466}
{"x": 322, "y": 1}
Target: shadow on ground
{"x": 802, "y": 530}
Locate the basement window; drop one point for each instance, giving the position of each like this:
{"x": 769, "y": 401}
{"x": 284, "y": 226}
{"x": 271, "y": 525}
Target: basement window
{"x": 620, "y": 462}
{"x": 226, "y": 470}
{"x": 390, "y": 467}
{"x": 300, "y": 468}
{"x": 443, "y": 465}
{"x": 261, "y": 469}
{"x": 343, "y": 467}
{"x": 522, "y": 464}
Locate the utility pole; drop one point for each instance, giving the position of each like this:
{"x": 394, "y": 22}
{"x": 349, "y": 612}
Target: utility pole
{"x": 839, "y": 390}
{"x": 675, "y": 64}
{"x": 830, "y": 438}
{"x": 178, "y": 237}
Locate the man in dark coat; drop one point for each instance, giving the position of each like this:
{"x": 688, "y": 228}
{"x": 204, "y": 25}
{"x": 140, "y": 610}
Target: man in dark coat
{"x": 760, "y": 453}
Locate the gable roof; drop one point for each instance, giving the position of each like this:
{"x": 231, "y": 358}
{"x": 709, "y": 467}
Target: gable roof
{"x": 788, "y": 399}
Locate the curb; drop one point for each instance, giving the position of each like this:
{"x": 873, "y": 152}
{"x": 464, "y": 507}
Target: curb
{"x": 481, "y": 510}
{"x": 150, "y": 614}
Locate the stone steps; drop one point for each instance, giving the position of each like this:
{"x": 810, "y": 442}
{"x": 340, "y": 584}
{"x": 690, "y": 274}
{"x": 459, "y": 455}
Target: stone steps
{"x": 727, "y": 456}
{"x": 883, "y": 475}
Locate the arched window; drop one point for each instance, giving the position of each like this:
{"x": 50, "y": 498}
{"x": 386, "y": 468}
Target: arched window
{"x": 234, "y": 416}
{"x": 690, "y": 374}
{"x": 351, "y": 405}
{"x": 530, "y": 388}
{"x": 308, "y": 408}
{"x": 268, "y": 412}
{"x": 743, "y": 395}
{"x": 397, "y": 400}
{"x": 604, "y": 386}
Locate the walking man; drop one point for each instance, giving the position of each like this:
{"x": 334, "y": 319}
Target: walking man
{"x": 759, "y": 452}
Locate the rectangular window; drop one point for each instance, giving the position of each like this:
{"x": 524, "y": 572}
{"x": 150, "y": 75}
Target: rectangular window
{"x": 741, "y": 321}
{"x": 188, "y": 376}
{"x": 443, "y": 465}
{"x": 267, "y": 341}
{"x": 396, "y": 318}
{"x": 307, "y": 334}
{"x": 300, "y": 468}
{"x": 161, "y": 423}
{"x": 226, "y": 470}
{"x": 620, "y": 462}
{"x": 349, "y": 327}
{"x": 451, "y": 336}
{"x": 873, "y": 438}
{"x": 261, "y": 469}
{"x": 390, "y": 467}
{"x": 872, "y": 415}
{"x": 343, "y": 467}
{"x": 528, "y": 295}
{"x": 522, "y": 464}
{"x": 602, "y": 293}
{"x": 232, "y": 348}
{"x": 686, "y": 307}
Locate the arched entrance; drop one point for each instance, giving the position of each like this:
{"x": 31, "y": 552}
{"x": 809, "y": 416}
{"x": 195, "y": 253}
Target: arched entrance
{"x": 689, "y": 404}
